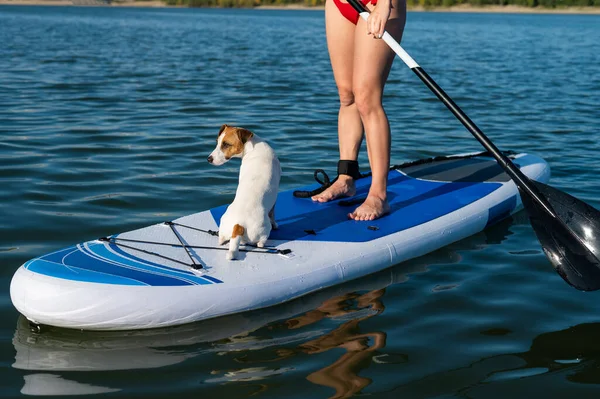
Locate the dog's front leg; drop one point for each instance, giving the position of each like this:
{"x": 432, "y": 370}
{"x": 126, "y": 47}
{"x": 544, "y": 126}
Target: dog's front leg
{"x": 261, "y": 242}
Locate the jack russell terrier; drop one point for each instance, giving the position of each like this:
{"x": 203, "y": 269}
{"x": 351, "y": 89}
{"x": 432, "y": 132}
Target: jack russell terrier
{"x": 251, "y": 216}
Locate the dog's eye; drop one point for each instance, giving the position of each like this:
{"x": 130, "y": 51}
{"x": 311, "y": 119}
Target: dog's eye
{"x": 225, "y": 145}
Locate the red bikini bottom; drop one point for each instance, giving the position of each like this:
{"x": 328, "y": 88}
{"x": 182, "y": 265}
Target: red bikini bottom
{"x": 349, "y": 12}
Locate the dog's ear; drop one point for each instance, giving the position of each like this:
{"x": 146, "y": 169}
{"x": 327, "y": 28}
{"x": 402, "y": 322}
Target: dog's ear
{"x": 222, "y": 128}
{"x": 244, "y": 135}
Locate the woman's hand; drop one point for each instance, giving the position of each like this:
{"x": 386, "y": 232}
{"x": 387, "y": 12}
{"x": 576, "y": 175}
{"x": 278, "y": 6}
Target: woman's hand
{"x": 378, "y": 18}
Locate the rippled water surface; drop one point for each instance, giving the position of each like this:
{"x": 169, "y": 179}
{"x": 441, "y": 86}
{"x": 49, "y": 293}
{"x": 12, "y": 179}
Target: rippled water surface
{"x": 107, "y": 116}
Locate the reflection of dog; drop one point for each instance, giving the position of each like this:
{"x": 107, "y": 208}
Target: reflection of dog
{"x": 251, "y": 215}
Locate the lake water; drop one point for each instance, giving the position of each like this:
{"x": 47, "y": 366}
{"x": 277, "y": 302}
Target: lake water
{"x": 107, "y": 116}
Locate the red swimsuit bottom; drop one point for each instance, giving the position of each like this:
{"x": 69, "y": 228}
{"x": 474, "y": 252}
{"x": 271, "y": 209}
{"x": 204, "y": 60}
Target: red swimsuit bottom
{"x": 349, "y": 12}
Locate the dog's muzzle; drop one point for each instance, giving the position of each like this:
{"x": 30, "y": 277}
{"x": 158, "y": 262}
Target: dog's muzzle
{"x": 210, "y": 159}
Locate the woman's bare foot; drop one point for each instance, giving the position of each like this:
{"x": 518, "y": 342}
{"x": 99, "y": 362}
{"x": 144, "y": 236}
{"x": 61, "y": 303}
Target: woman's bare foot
{"x": 373, "y": 208}
{"x": 343, "y": 187}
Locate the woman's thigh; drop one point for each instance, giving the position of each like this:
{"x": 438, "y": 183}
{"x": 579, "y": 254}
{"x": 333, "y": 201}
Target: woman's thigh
{"x": 372, "y": 59}
{"x": 340, "y": 43}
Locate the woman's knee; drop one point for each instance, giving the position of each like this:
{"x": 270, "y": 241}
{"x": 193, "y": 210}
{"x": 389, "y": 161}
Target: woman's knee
{"x": 367, "y": 101}
{"x": 346, "y": 96}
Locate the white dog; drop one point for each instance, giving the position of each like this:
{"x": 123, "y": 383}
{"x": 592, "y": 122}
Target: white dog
{"x": 251, "y": 215}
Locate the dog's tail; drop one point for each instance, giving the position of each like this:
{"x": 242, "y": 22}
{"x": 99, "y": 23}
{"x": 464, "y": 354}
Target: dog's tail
{"x": 234, "y": 243}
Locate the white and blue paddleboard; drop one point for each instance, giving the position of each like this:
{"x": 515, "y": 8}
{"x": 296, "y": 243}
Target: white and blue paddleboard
{"x": 174, "y": 273}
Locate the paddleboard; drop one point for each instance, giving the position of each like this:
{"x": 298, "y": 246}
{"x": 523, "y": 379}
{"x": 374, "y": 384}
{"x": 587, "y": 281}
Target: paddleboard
{"x": 175, "y": 273}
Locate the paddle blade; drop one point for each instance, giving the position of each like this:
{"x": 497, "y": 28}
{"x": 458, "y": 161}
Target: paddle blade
{"x": 571, "y": 241}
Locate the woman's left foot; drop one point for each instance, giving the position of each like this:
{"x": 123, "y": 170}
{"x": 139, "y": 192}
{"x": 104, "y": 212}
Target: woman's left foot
{"x": 373, "y": 208}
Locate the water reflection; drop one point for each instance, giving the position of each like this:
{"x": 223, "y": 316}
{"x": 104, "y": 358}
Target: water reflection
{"x": 572, "y": 354}
{"x": 342, "y": 375}
{"x": 576, "y": 350}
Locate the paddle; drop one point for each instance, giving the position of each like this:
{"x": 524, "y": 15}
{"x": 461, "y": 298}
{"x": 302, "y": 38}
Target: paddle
{"x": 567, "y": 228}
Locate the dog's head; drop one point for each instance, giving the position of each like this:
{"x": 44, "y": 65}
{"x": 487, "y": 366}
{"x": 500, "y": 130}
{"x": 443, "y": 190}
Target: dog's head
{"x": 230, "y": 144}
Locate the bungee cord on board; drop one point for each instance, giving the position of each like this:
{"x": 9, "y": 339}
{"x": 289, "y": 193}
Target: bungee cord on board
{"x": 194, "y": 265}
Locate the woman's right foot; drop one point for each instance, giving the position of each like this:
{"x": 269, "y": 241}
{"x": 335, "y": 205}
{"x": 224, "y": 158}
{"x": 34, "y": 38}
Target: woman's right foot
{"x": 342, "y": 187}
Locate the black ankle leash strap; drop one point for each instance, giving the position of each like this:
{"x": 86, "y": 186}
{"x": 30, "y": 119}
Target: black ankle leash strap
{"x": 344, "y": 167}
{"x": 348, "y": 167}
{"x": 325, "y": 184}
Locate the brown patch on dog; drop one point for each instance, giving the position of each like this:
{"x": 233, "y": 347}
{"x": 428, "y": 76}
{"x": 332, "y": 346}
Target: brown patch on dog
{"x": 233, "y": 140}
{"x": 244, "y": 134}
{"x": 222, "y": 130}
{"x": 237, "y": 231}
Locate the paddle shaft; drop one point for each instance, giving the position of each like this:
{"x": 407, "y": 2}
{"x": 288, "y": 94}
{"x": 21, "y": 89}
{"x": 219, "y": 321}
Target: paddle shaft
{"x": 511, "y": 169}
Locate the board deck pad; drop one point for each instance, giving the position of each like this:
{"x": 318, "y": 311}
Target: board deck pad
{"x": 441, "y": 188}
{"x": 412, "y": 202}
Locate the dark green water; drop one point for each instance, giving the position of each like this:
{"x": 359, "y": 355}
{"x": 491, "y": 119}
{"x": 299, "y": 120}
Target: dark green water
{"x": 107, "y": 116}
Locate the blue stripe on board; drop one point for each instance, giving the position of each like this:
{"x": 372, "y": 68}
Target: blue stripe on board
{"x": 501, "y": 210}
{"x": 412, "y": 202}
{"x": 73, "y": 256}
{"x": 48, "y": 268}
{"x": 214, "y": 280}
{"x": 108, "y": 259}
{"x": 77, "y": 264}
{"x": 131, "y": 260}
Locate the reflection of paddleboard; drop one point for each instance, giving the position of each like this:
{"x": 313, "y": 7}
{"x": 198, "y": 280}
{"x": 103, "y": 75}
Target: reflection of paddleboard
{"x": 56, "y": 349}
{"x": 54, "y": 385}
{"x": 151, "y": 277}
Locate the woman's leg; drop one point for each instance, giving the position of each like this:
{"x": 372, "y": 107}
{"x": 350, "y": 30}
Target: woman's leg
{"x": 340, "y": 43}
{"x": 372, "y": 63}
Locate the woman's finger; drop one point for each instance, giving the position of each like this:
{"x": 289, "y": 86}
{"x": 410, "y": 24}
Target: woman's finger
{"x": 376, "y": 30}
{"x": 374, "y": 25}
{"x": 370, "y": 24}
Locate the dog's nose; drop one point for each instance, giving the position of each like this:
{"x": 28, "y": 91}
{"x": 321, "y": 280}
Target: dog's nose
{"x": 210, "y": 159}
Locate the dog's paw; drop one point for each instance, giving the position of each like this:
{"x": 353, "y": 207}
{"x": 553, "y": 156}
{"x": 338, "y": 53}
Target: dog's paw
{"x": 231, "y": 255}
{"x": 261, "y": 244}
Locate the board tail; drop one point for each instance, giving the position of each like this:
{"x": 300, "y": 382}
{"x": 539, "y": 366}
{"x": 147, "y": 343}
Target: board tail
{"x": 234, "y": 242}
